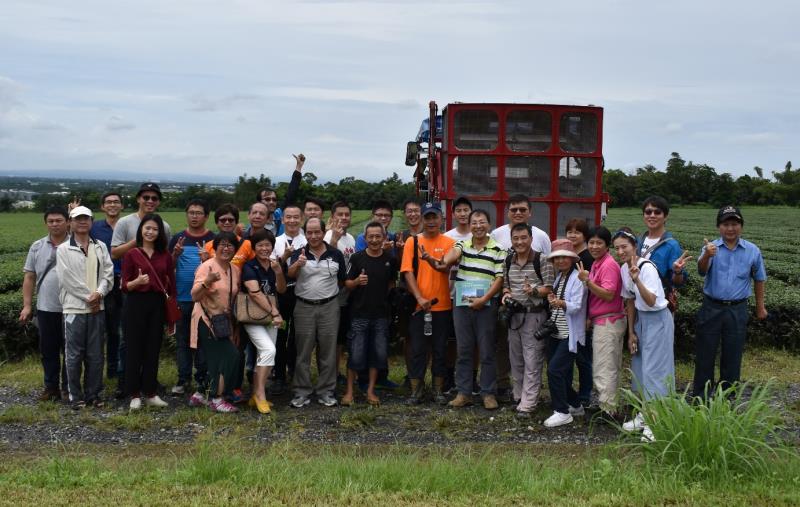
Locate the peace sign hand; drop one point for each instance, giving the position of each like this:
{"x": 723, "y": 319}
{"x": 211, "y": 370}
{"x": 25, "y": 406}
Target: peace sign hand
{"x": 680, "y": 263}
{"x": 583, "y": 275}
{"x": 634, "y": 268}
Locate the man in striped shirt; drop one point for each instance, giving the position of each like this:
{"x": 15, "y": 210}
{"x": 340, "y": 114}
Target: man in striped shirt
{"x": 479, "y": 279}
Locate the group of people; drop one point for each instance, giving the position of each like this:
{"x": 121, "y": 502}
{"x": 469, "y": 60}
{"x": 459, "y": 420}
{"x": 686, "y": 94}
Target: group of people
{"x": 489, "y": 311}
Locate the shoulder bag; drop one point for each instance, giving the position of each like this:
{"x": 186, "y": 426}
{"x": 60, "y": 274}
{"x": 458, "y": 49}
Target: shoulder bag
{"x": 172, "y": 312}
{"x": 248, "y": 311}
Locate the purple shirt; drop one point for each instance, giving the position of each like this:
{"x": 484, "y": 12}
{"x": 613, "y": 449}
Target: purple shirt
{"x": 606, "y": 274}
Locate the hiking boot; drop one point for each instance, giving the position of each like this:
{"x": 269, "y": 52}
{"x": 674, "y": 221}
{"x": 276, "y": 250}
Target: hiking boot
{"x": 490, "y": 402}
{"x": 50, "y": 395}
{"x": 438, "y": 390}
{"x": 415, "y": 397}
{"x": 461, "y": 400}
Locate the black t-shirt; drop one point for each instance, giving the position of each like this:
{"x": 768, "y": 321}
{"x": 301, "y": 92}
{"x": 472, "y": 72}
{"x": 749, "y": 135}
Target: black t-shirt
{"x": 586, "y": 259}
{"x": 372, "y": 301}
{"x": 252, "y": 270}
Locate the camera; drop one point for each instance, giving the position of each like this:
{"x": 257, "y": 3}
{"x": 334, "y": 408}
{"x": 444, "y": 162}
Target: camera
{"x": 546, "y": 330}
{"x": 509, "y": 308}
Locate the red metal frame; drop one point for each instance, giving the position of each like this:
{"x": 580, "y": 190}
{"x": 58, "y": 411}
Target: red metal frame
{"x": 499, "y": 198}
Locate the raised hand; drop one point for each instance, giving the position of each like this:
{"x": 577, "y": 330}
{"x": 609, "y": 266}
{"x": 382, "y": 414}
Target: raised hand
{"x": 76, "y": 201}
{"x": 680, "y": 263}
{"x": 302, "y": 259}
{"x": 583, "y": 275}
{"x": 634, "y": 268}
{"x": 399, "y": 241}
{"x": 388, "y": 244}
{"x": 142, "y": 279}
{"x": 178, "y": 250}
{"x": 711, "y": 248}
{"x": 276, "y": 266}
{"x": 299, "y": 161}
{"x": 363, "y": 279}
{"x": 211, "y": 277}
{"x": 527, "y": 288}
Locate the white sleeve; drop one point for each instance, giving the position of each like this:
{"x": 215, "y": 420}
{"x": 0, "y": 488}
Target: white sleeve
{"x": 648, "y": 274}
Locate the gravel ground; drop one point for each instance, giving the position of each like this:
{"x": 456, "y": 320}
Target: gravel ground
{"x": 25, "y": 422}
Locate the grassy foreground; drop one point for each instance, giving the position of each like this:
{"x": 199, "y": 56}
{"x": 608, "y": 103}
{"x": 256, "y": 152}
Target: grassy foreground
{"x": 229, "y": 471}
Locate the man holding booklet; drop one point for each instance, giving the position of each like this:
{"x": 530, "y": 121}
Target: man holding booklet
{"x": 479, "y": 279}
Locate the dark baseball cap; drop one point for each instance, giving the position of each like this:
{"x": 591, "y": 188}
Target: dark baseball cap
{"x": 728, "y": 212}
{"x": 149, "y": 187}
{"x": 431, "y": 207}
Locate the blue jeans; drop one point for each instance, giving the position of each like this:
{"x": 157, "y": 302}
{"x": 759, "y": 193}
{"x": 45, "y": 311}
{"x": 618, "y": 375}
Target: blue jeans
{"x": 368, "y": 344}
{"x": 185, "y": 354}
{"x": 559, "y": 375}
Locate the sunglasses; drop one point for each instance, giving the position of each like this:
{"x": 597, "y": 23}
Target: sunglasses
{"x": 226, "y": 220}
{"x": 653, "y": 211}
{"x": 154, "y": 198}
{"x": 518, "y": 210}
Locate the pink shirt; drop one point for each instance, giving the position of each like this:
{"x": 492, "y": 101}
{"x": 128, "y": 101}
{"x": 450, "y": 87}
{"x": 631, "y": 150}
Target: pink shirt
{"x": 607, "y": 274}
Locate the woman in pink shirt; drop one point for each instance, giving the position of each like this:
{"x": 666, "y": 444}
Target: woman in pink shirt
{"x": 607, "y": 317}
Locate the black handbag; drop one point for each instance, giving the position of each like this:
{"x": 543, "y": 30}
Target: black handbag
{"x": 221, "y": 325}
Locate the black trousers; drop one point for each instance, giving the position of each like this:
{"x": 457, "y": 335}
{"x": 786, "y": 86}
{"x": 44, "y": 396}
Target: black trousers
{"x": 285, "y": 348}
{"x": 435, "y": 343}
{"x": 51, "y": 346}
{"x": 725, "y": 324}
{"x": 144, "y": 331}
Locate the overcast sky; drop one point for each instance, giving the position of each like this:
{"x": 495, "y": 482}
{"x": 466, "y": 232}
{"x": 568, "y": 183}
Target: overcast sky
{"x": 218, "y": 88}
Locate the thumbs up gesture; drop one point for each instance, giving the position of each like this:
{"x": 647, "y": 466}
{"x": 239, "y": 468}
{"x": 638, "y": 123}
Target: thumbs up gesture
{"x": 634, "y": 268}
{"x": 301, "y": 261}
{"x": 212, "y": 277}
{"x": 363, "y": 278}
{"x": 142, "y": 279}
{"x": 711, "y": 248}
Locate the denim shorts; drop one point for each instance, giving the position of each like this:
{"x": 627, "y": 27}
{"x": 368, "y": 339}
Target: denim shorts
{"x": 368, "y": 344}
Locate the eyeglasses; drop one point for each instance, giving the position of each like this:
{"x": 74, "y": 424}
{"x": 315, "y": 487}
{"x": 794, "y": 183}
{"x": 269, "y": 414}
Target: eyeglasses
{"x": 195, "y": 213}
{"x": 225, "y": 246}
{"x": 517, "y": 210}
{"x": 113, "y": 201}
{"x": 653, "y": 211}
{"x": 269, "y": 199}
{"x": 383, "y": 215}
{"x": 151, "y": 198}
{"x": 226, "y": 220}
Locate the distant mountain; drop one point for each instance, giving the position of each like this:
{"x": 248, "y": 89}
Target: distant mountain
{"x": 124, "y": 176}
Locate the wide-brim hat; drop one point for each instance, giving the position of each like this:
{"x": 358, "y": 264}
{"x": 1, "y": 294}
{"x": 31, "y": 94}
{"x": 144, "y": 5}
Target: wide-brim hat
{"x": 562, "y": 248}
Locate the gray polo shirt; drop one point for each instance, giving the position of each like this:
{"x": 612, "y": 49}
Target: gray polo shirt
{"x": 126, "y": 227}
{"x": 41, "y": 254}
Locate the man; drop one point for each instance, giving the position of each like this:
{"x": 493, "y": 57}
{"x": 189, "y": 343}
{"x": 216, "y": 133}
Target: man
{"x": 103, "y": 230}
{"x": 312, "y": 208}
{"x": 86, "y": 275}
{"x": 319, "y": 271}
{"x": 382, "y": 213}
{"x": 519, "y": 212}
{"x": 479, "y": 278}
{"x": 338, "y": 237}
{"x": 286, "y": 244}
{"x": 41, "y": 278}
{"x": 461, "y": 209}
{"x": 371, "y": 275}
{"x": 268, "y": 197}
{"x": 257, "y": 217}
{"x": 528, "y": 281}
{"x": 431, "y": 290}
{"x": 659, "y": 246}
{"x": 728, "y": 264}
{"x": 148, "y": 198}
{"x": 186, "y": 247}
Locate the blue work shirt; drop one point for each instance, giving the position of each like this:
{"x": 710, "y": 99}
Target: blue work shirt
{"x": 663, "y": 257}
{"x": 730, "y": 271}
{"x": 102, "y": 231}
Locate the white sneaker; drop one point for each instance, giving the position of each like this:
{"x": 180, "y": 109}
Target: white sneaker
{"x": 635, "y": 424}
{"x": 136, "y": 403}
{"x": 178, "y": 389}
{"x": 155, "y": 401}
{"x": 647, "y": 435}
{"x": 577, "y": 411}
{"x": 557, "y": 419}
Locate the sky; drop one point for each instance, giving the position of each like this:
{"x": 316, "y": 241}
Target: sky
{"x": 208, "y": 90}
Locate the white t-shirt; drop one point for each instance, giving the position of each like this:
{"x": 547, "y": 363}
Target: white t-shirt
{"x": 540, "y": 241}
{"x": 648, "y": 274}
{"x": 282, "y": 241}
{"x": 647, "y": 243}
{"x": 346, "y": 245}
{"x": 453, "y": 233}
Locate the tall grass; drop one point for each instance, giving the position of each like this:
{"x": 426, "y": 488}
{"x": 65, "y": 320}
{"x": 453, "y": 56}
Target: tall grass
{"x": 734, "y": 433}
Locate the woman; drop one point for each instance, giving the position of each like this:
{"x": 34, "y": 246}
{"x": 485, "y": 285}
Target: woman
{"x": 216, "y": 283}
{"x": 262, "y": 278}
{"x": 568, "y": 305}
{"x": 607, "y": 318}
{"x": 651, "y": 329}
{"x": 577, "y": 231}
{"x": 146, "y": 271}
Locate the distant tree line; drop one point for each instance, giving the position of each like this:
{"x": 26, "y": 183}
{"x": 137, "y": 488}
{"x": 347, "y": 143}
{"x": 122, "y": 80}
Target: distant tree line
{"x": 689, "y": 183}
